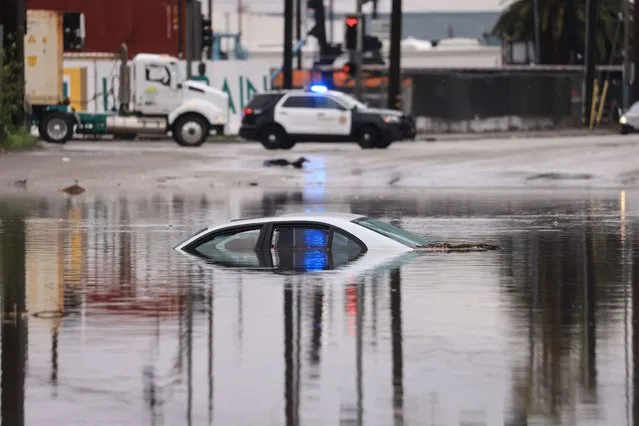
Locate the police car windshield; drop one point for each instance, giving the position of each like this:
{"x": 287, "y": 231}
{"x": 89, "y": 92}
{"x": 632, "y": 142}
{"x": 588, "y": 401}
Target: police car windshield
{"x": 349, "y": 100}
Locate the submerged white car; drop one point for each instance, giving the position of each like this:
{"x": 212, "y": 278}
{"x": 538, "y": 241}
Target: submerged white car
{"x": 304, "y": 243}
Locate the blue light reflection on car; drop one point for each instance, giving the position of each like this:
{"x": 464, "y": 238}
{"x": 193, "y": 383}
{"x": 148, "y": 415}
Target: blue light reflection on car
{"x": 315, "y": 238}
{"x": 315, "y": 260}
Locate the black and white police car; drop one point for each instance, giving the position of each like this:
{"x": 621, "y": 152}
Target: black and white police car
{"x": 279, "y": 119}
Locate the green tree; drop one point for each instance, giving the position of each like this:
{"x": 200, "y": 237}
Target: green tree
{"x": 562, "y": 29}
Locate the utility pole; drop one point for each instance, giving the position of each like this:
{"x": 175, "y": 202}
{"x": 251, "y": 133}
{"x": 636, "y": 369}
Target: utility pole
{"x": 359, "y": 52}
{"x": 537, "y": 35}
{"x": 209, "y": 8}
{"x": 635, "y": 47}
{"x": 394, "y": 71}
{"x": 189, "y": 39}
{"x": 288, "y": 45}
{"x": 298, "y": 29}
{"x": 590, "y": 59}
{"x": 626, "y": 56}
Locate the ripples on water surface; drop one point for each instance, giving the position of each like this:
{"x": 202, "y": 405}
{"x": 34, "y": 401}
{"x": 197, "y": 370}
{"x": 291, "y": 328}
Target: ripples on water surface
{"x": 121, "y": 330}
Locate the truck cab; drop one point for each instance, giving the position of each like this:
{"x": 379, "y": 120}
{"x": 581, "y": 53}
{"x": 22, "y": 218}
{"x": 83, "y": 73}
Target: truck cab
{"x": 159, "y": 89}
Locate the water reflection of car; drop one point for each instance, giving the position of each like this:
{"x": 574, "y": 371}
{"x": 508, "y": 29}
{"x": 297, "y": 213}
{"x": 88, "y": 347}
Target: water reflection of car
{"x": 303, "y": 243}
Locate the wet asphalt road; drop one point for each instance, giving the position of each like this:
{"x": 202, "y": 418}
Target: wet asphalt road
{"x": 550, "y": 162}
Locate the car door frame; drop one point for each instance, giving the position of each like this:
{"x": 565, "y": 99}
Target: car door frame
{"x": 235, "y": 229}
{"x": 268, "y": 236}
{"x": 298, "y": 120}
{"x": 343, "y": 117}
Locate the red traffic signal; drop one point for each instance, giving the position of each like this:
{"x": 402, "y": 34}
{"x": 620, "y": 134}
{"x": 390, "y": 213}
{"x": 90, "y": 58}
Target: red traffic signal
{"x": 351, "y": 22}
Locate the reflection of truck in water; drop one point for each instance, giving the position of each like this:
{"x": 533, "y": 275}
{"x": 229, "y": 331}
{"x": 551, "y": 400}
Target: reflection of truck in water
{"x": 153, "y": 97}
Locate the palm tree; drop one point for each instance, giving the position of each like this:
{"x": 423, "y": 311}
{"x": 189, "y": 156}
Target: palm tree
{"x": 563, "y": 27}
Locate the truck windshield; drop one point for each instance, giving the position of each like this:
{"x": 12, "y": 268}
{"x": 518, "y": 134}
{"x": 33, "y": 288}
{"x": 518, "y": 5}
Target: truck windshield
{"x": 393, "y": 232}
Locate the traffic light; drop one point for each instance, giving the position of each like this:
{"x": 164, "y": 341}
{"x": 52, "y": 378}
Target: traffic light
{"x": 351, "y": 23}
{"x": 349, "y": 68}
{"x": 207, "y": 32}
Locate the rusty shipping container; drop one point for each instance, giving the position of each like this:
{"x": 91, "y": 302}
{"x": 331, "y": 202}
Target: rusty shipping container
{"x": 43, "y": 66}
{"x": 148, "y": 26}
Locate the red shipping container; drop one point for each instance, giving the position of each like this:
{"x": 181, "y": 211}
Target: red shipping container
{"x": 146, "y": 26}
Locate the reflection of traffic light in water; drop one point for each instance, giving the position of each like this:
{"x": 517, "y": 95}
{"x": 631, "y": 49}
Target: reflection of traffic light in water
{"x": 351, "y": 308}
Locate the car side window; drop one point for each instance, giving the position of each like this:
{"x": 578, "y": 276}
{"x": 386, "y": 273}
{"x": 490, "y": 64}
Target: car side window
{"x": 230, "y": 243}
{"x": 327, "y": 103}
{"x": 299, "y": 237}
{"x": 344, "y": 248}
{"x": 298, "y": 102}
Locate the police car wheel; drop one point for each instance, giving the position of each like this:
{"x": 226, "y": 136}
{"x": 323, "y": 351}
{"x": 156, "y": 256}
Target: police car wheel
{"x": 384, "y": 143}
{"x": 368, "y": 137}
{"x": 274, "y": 137}
{"x": 287, "y": 143}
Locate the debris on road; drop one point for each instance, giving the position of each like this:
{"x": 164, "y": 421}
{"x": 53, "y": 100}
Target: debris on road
{"x": 283, "y": 162}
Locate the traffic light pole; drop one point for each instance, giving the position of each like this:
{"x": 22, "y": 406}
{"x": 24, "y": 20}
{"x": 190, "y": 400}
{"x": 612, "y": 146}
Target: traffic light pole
{"x": 287, "y": 71}
{"x": 359, "y": 52}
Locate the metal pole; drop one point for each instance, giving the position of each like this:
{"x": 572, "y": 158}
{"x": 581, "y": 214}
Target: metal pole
{"x": 590, "y": 76}
{"x": 189, "y": 39}
{"x": 394, "y": 70}
{"x": 331, "y": 19}
{"x": 359, "y": 51}
{"x": 626, "y": 55}
{"x": 537, "y": 29}
{"x": 288, "y": 45}
{"x": 298, "y": 29}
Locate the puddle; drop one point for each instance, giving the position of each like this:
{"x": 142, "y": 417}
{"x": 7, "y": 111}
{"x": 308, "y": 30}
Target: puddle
{"x": 104, "y": 322}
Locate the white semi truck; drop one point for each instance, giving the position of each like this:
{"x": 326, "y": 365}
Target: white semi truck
{"x": 153, "y": 97}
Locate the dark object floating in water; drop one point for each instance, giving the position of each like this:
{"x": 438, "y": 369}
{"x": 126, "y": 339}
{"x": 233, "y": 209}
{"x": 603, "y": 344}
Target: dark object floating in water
{"x": 462, "y": 247}
{"x": 73, "y": 189}
{"x": 283, "y": 162}
{"x": 561, "y": 176}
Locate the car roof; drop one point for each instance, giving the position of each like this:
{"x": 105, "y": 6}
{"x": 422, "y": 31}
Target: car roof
{"x": 326, "y": 217}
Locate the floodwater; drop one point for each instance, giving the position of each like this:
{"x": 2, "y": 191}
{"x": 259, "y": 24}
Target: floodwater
{"x": 103, "y": 324}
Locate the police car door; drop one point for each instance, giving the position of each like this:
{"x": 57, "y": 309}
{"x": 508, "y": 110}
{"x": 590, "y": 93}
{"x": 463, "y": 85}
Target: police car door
{"x": 331, "y": 117}
{"x": 296, "y": 114}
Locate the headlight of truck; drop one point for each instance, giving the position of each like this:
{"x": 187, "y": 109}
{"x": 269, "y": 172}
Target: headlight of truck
{"x": 391, "y": 119}
{"x": 623, "y": 119}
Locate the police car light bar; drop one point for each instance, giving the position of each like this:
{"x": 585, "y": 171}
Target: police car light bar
{"x": 318, "y": 88}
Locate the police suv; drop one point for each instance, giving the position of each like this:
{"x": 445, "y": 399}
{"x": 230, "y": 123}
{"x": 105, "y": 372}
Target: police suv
{"x": 280, "y": 119}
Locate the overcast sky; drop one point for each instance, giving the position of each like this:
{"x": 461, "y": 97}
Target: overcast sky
{"x": 384, "y": 5}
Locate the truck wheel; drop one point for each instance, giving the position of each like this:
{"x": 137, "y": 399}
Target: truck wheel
{"x": 190, "y": 130}
{"x": 56, "y": 127}
{"x": 368, "y": 137}
{"x": 274, "y": 137}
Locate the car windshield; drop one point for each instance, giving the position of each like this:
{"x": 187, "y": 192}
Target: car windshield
{"x": 393, "y": 232}
{"x": 349, "y": 100}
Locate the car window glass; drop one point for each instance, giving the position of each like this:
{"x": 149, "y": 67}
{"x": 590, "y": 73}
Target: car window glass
{"x": 260, "y": 101}
{"x": 298, "y": 102}
{"x": 344, "y": 249}
{"x": 301, "y": 260}
{"x": 327, "y": 103}
{"x": 393, "y": 232}
{"x": 230, "y": 244}
{"x": 299, "y": 237}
